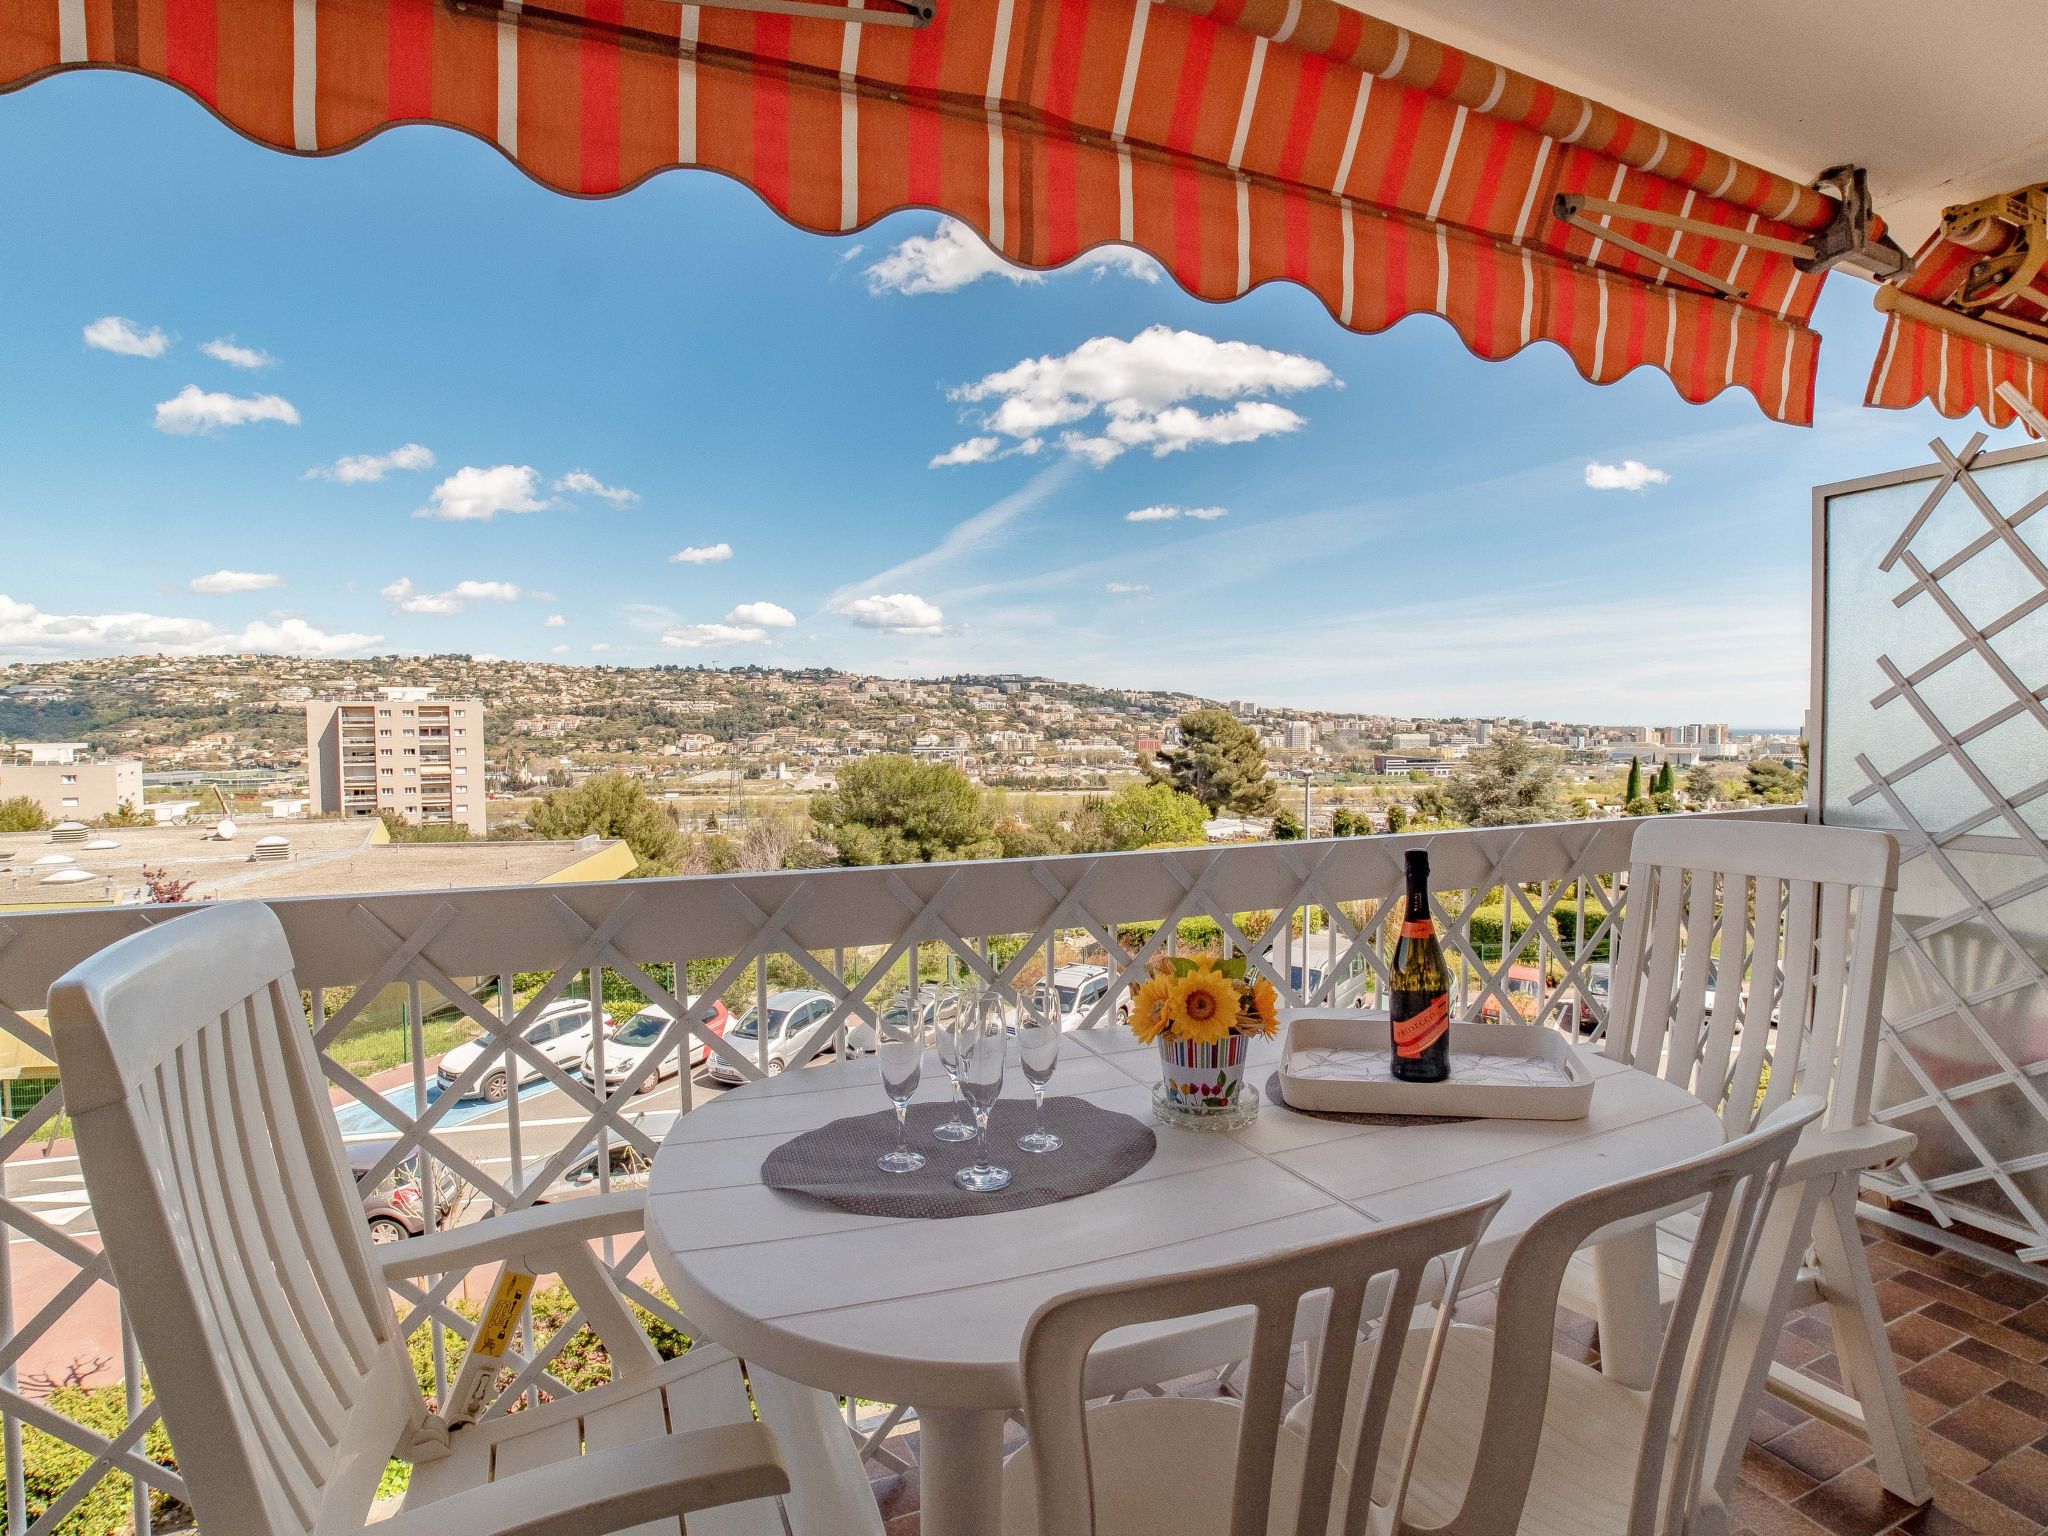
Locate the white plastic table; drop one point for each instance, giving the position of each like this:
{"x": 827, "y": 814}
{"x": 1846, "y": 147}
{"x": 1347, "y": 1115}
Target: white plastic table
{"x": 932, "y": 1313}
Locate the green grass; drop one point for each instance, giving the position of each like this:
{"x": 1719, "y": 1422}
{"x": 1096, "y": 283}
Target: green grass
{"x": 389, "y": 1045}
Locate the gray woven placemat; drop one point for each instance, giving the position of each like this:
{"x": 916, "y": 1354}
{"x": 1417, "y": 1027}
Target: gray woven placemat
{"x": 1274, "y": 1096}
{"x": 836, "y": 1162}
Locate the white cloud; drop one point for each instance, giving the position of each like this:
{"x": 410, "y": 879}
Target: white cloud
{"x": 582, "y": 482}
{"x": 225, "y": 349}
{"x": 195, "y": 410}
{"x": 110, "y": 333}
{"x": 701, "y": 554}
{"x": 473, "y": 495}
{"x": 553, "y": 621}
{"x": 235, "y": 581}
{"x": 558, "y": 650}
{"x": 363, "y": 468}
{"x": 601, "y": 647}
{"x": 1123, "y": 587}
{"x": 404, "y": 597}
{"x": 952, "y": 256}
{"x": 26, "y": 630}
{"x": 1135, "y": 392}
{"x": 976, "y": 450}
{"x": 747, "y": 624}
{"x": 1628, "y": 475}
{"x": 900, "y": 613}
{"x": 1172, "y": 514}
{"x": 763, "y": 615}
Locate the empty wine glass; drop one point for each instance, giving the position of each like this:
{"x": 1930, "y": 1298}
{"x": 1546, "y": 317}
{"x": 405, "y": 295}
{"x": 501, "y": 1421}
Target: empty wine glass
{"x": 1038, "y": 1052}
{"x": 984, "y": 1041}
{"x": 948, "y": 1010}
{"x": 899, "y": 1047}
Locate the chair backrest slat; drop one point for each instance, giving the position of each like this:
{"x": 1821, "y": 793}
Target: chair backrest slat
{"x": 233, "y": 1226}
{"x": 1372, "y": 1277}
{"x": 1794, "y": 922}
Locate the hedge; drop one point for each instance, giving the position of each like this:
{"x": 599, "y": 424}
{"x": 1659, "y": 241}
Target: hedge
{"x": 51, "y": 1465}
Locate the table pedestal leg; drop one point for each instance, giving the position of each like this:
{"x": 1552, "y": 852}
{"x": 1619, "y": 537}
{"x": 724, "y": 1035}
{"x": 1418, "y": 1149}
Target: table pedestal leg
{"x": 1631, "y": 1311}
{"x": 959, "y": 1471}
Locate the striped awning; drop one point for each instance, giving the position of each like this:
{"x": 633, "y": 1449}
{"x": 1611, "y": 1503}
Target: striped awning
{"x": 1941, "y": 347}
{"x": 1238, "y": 141}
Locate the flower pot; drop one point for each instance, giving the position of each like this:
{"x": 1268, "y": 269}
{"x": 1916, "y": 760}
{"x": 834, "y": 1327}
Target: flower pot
{"x": 1203, "y": 1078}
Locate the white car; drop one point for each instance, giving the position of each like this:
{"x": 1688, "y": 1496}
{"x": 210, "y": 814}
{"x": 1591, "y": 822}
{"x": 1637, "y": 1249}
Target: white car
{"x": 561, "y": 1033}
{"x": 627, "y": 1048}
{"x": 790, "y": 1016}
{"x": 1080, "y": 988}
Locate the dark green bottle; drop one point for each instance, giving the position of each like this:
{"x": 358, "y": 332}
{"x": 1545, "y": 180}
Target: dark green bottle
{"x": 1421, "y": 1011}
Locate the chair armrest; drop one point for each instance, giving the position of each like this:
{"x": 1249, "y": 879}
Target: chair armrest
{"x": 609, "y": 1490}
{"x": 1858, "y": 1149}
{"x": 534, "y": 1230}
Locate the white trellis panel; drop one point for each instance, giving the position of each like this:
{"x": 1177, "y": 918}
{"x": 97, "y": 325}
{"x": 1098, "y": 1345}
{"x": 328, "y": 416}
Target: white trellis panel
{"x": 1930, "y": 680}
{"x": 438, "y": 947}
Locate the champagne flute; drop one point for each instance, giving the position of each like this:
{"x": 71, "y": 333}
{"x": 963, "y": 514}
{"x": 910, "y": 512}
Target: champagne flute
{"x": 1038, "y": 1052}
{"x": 949, "y": 1009}
{"x": 899, "y": 1047}
{"x": 984, "y": 1042}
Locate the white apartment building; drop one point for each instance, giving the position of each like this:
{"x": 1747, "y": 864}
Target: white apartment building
{"x": 67, "y": 782}
{"x": 405, "y": 751}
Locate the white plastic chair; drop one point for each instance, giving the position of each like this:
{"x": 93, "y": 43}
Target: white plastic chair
{"x": 263, "y": 1312}
{"x": 1181, "y": 1466}
{"x": 1801, "y": 919}
{"x": 1519, "y": 1439}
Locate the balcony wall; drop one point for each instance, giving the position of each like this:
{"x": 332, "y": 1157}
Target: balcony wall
{"x": 1330, "y": 905}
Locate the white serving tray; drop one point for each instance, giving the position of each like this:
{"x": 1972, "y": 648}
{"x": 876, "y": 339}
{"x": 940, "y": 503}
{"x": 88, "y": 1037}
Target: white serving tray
{"x": 1338, "y": 1061}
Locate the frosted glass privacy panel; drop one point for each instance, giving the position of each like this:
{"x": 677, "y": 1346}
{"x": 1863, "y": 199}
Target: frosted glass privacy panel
{"x": 1929, "y": 695}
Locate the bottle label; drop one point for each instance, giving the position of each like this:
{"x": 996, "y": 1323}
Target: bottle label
{"x": 1419, "y": 1031}
{"x": 1417, "y": 928}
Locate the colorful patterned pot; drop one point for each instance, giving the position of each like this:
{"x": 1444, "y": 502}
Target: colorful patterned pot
{"x": 1202, "y": 1078}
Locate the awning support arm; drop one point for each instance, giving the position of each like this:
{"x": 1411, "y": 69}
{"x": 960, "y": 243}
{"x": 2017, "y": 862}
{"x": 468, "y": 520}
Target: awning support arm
{"x": 1568, "y": 209}
{"x": 882, "y": 13}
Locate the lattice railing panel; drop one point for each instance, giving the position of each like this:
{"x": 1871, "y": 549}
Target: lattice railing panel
{"x": 1322, "y": 934}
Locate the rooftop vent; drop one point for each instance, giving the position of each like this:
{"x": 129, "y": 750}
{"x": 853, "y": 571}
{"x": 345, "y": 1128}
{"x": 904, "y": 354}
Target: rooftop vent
{"x": 53, "y": 858}
{"x": 67, "y": 877}
{"x": 273, "y": 847}
{"x": 101, "y": 844}
{"x": 70, "y": 832}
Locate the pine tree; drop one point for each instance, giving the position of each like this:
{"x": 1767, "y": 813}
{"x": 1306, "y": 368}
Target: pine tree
{"x": 1634, "y": 791}
{"x": 1220, "y": 763}
{"x": 1666, "y": 781}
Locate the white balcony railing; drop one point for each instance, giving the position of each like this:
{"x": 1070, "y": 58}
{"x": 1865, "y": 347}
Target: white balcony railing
{"x": 1314, "y": 917}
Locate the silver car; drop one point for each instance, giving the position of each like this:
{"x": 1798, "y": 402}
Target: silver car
{"x": 791, "y": 1015}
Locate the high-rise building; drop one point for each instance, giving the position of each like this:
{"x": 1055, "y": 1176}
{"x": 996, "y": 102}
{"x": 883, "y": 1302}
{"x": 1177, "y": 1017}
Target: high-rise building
{"x": 1300, "y": 735}
{"x": 405, "y": 751}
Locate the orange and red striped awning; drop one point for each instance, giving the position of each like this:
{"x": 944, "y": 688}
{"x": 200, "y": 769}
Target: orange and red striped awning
{"x": 1940, "y": 348}
{"x": 1238, "y": 141}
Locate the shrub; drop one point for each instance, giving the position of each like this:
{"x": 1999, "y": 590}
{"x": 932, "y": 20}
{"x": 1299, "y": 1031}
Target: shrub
{"x": 50, "y": 1466}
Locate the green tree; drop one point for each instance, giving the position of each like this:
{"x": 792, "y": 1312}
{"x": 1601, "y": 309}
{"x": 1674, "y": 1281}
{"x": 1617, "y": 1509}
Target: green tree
{"x": 1666, "y": 781}
{"x": 1509, "y": 782}
{"x": 1775, "y": 784}
{"x": 897, "y": 810}
{"x": 1397, "y": 816}
{"x": 1700, "y": 784}
{"x": 1642, "y": 805}
{"x": 1633, "y": 791}
{"x": 1220, "y": 762}
{"x": 1152, "y": 815}
{"x": 612, "y": 805}
{"x": 21, "y": 814}
{"x": 1345, "y": 822}
{"x": 126, "y": 814}
{"x": 404, "y": 831}
{"x": 1286, "y": 826}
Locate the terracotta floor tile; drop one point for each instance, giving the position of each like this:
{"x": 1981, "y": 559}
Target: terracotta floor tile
{"x": 1797, "y": 1352}
{"x": 1943, "y": 1455}
{"x": 2010, "y": 1289}
{"x": 1814, "y": 1328}
{"x": 1758, "y": 1511}
{"x": 902, "y": 1525}
{"x": 896, "y": 1494}
{"x": 1977, "y": 1512}
{"x": 1773, "y": 1475}
{"x": 1951, "y": 1378}
{"x": 1895, "y": 1298}
{"x": 1922, "y": 1409}
{"x": 1940, "y": 1289}
{"x": 1854, "y": 1504}
{"x": 2019, "y": 1482}
{"x": 2031, "y": 1320}
{"x": 1990, "y": 1428}
{"x": 2011, "y": 1340}
{"x": 1919, "y": 1334}
{"x": 2011, "y": 1367}
{"x": 1773, "y": 1417}
{"x": 2026, "y": 1399}
{"x": 1819, "y": 1450}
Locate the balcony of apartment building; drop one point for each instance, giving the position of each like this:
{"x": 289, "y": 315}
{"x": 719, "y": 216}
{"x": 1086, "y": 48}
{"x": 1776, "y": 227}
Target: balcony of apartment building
{"x": 1880, "y": 947}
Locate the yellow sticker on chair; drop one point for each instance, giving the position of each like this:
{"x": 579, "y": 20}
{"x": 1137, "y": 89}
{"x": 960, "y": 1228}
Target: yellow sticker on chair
{"x": 476, "y": 1383}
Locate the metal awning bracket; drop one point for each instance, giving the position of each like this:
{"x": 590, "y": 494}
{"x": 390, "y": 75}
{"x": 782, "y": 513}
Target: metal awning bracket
{"x": 2012, "y": 268}
{"x": 1855, "y": 237}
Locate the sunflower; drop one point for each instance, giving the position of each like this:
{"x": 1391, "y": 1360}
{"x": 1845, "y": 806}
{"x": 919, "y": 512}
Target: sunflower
{"x": 1152, "y": 1009}
{"x": 1262, "y": 1009}
{"x": 1205, "y": 1001}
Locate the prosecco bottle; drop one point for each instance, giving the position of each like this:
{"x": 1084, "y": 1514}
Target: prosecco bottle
{"x": 1421, "y": 1011}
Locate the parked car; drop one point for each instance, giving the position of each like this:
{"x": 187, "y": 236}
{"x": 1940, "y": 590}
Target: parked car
{"x": 1079, "y": 988}
{"x": 561, "y": 1033}
{"x": 1526, "y": 987}
{"x": 934, "y": 1004}
{"x": 791, "y": 1014}
{"x": 628, "y": 1048}
{"x": 392, "y": 1205}
{"x": 628, "y": 1164}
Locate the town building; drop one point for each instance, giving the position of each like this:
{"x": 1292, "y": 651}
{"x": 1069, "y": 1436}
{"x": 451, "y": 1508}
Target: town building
{"x": 406, "y": 752}
{"x": 68, "y": 782}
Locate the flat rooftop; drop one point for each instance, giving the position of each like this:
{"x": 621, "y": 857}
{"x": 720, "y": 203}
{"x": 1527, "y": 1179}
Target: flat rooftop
{"x": 325, "y": 858}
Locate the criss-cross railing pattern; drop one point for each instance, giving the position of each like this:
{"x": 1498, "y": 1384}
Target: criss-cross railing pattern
{"x": 1969, "y": 967}
{"x": 1322, "y": 935}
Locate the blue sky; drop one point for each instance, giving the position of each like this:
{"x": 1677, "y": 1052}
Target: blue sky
{"x": 1392, "y": 525}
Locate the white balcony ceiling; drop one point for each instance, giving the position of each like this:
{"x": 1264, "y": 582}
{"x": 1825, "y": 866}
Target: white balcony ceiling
{"x": 1941, "y": 100}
